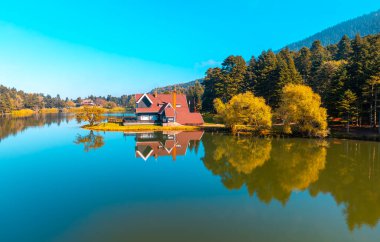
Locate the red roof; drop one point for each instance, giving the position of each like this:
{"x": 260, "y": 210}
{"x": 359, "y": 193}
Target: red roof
{"x": 169, "y": 112}
{"x": 163, "y": 102}
{"x": 187, "y": 118}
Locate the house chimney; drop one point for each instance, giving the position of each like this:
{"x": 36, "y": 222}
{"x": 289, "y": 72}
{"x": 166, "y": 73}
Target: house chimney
{"x": 155, "y": 92}
{"x": 174, "y": 96}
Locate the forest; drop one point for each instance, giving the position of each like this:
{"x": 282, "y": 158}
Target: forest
{"x": 12, "y": 99}
{"x": 346, "y": 75}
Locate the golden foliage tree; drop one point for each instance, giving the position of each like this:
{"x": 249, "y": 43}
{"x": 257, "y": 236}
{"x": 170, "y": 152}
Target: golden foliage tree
{"x": 301, "y": 112}
{"x": 91, "y": 114}
{"x": 70, "y": 104}
{"x": 245, "y": 109}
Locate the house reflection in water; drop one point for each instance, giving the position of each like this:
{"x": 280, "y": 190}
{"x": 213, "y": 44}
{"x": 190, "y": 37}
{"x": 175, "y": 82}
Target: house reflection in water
{"x": 173, "y": 144}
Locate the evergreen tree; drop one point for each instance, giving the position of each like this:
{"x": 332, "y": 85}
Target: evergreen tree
{"x": 213, "y": 86}
{"x": 332, "y": 51}
{"x": 318, "y": 56}
{"x": 267, "y": 74}
{"x": 303, "y": 64}
{"x": 234, "y": 70}
{"x": 250, "y": 76}
{"x": 335, "y": 90}
{"x": 325, "y": 78}
{"x": 287, "y": 69}
{"x": 370, "y": 94}
{"x": 357, "y": 64}
{"x": 344, "y": 48}
{"x": 194, "y": 96}
{"x": 348, "y": 107}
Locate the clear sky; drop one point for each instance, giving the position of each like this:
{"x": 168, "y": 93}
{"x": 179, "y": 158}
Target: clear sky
{"x": 77, "y": 48}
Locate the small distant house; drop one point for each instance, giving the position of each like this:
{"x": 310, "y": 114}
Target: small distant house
{"x": 166, "y": 109}
{"x": 87, "y": 102}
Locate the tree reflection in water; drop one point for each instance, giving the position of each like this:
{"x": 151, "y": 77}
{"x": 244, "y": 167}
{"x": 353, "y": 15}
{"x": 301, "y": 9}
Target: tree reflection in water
{"x": 352, "y": 177}
{"x": 273, "y": 169}
{"x": 12, "y": 126}
{"x": 91, "y": 141}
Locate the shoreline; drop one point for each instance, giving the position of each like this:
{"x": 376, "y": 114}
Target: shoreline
{"x": 112, "y": 127}
{"x": 138, "y": 128}
{"x": 22, "y": 113}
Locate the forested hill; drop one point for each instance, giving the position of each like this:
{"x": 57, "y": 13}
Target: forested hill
{"x": 364, "y": 25}
{"x": 180, "y": 86}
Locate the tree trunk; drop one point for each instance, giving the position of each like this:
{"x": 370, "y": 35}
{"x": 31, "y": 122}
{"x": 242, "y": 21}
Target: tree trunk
{"x": 379, "y": 123}
{"x": 375, "y": 111}
{"x": 371, "y": 119}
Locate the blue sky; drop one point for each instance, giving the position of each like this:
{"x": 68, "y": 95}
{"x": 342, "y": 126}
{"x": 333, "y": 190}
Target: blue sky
{"x": 77, "y": 48}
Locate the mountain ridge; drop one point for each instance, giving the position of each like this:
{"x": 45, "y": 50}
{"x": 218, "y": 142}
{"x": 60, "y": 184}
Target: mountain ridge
{"x": 364, "y": 25}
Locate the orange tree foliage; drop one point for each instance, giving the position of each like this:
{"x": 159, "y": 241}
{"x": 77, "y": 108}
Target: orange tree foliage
{"x": 90, "y": 114}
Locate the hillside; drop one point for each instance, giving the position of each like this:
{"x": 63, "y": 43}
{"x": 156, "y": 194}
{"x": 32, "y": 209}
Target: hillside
{"x": 180, "y": 86}
{"x": 364, "y": 25}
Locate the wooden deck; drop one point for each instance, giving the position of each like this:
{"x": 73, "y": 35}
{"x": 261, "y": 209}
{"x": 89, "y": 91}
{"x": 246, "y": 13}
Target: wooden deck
{"x": 115, "y": 120}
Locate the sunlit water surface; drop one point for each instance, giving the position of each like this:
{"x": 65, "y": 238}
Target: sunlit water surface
{"x": 61, "y": 183}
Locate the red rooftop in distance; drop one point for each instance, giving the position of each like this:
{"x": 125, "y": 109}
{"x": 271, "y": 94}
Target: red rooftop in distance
{"x": 166, "y": 109}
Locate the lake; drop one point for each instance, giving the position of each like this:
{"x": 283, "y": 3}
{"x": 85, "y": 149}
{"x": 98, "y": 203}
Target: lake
{"x": 61, "y": 183}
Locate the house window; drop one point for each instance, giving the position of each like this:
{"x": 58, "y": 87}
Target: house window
{"x": 178, "y": 105}
{"x": 148, "y": 117}
{"x": 144, "y": 117}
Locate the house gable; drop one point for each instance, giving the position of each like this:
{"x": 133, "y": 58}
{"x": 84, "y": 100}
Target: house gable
{"x": 144, "y": 102}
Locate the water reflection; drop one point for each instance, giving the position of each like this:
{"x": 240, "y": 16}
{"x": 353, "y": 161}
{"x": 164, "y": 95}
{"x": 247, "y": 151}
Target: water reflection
{"x": 271, "y": 169}
{"x": 12, "y": 126}
{"x": 274, "y": 169}
{"x": 156, "y": 144}
{"x": 352, "y": 177}
{"x": 90, "y": 142}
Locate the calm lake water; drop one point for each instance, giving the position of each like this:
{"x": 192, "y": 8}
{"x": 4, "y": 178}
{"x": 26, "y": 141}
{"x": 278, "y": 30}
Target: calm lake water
{"x": 60, "y": 183}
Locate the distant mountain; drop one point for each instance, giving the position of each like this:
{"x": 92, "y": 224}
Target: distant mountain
{"x": 364, "y": 25}
{"x": 180, "y": 86}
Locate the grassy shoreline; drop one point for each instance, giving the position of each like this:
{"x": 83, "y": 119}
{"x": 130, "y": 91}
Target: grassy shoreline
{"x": 29, "y": 112}
{"x": 133, "y": 128}
{"x": 209, "y": 127}
{"x": 152, "y": 127}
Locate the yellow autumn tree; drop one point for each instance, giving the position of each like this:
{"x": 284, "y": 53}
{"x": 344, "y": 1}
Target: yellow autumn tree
{"x": 245, "y": 109}
{"x": 90, "y": 114}
{"x": 70, "y": 104}
{"x": 301, "y": 112}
